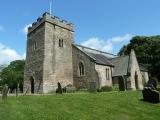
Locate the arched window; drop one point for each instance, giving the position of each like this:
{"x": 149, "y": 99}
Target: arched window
{"x": 60, "y": 42}
{"x": 81, "y": 69}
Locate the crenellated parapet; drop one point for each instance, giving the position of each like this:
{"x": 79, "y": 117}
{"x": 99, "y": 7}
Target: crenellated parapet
{"x": 46, "y": 17}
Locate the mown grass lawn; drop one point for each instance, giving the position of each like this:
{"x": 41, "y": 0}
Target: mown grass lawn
{"x": 80, "y": 106}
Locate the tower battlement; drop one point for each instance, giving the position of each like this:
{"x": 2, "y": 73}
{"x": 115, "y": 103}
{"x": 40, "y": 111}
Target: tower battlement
{"x": 53, "y": 20}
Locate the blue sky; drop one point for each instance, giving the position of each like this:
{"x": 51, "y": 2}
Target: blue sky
{"x": 102, "y": 24}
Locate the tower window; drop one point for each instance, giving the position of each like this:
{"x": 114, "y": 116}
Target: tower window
{"x": 81, "y": 69}
{"x": 60, "y": 42}
{"x": 107, "y": 74}
{"x": 34, "y": 45}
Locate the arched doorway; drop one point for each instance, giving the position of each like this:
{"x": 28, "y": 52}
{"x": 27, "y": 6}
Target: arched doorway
{"x": 136, "y": 80}
{"x": 32, "y": 84}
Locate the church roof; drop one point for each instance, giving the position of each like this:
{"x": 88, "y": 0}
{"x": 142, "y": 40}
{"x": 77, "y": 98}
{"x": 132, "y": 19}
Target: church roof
{"x": 120, "y": 65}
{"x": 100, "y": 57}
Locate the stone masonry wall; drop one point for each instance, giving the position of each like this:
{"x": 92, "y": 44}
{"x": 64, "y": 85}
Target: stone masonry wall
{"x": 57, "y": 60}
{"x": 89, "y": 69}
{"x": 49, "y": 63}
{"x": 101, "y": 70}
{"x": 134, "y": 67}
{"x": 34, "y": 60}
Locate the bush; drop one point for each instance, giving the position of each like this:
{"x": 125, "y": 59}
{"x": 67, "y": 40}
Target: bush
{"x": 1, "y": 88}
{"x": 69, "y": 89}
{"x": 158, "y": 87}
{"x": 115, "y": 88}
{"x": 105, "y": 89}
{"x": 99, "y": 90}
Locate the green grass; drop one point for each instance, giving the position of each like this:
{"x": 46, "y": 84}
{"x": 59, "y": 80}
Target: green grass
{"x": 80, "y": 106}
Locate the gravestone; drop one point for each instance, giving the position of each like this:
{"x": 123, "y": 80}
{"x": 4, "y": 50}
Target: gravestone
{"x": 59, "y": 89}
{"x": 4, "y": 92}
{"x": 152, "y": 81}
{"x": 69, "y": 89}
{"x": 92, "y": 87}
{"x": 9, "y": 90}
{"x": 26, "y": 91}
{"x": 151, "y": 95}
{"x": 17, "y": 90}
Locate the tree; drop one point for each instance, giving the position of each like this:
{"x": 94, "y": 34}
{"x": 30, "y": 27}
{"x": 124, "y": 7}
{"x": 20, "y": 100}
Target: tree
{"x": 13, "y": 75}
{"x": 147, "y": 50}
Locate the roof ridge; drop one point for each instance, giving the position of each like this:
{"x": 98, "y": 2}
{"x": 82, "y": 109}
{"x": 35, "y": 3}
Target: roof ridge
{"x": 95, "y": 50}
{"x": 120, "y": 56}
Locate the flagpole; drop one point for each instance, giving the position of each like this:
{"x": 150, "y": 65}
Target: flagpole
{"x": 50, "y": 10}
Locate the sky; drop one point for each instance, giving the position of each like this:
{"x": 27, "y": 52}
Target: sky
{"x": 101, "y": 24}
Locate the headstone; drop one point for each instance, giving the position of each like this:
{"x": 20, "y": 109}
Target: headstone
{"x": 4, "y": 92}
{"x": 92, "y": 87}
{"x": 26, "y": 91}
{"x": 59, "y": 89}
{"x": 151, "y": 95}
{"x": 9, "y": 90}
{"x": 153, "y": 82}
{"x": 17, "y": 90}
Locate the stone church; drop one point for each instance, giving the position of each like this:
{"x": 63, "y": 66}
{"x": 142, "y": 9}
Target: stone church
{"x": 52, "y": 56}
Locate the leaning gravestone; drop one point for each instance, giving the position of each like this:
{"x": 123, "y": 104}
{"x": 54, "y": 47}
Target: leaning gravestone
{"x": 4, "y": 92}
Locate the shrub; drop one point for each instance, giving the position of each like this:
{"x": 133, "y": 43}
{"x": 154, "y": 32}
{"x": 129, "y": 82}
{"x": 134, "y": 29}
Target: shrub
{"x": 83, "y": 90}
{"x": 99, "y": 90}
{"x": 105, "y": 89}
{"x": 115, "y": 88}
{"x": 69, "y": 89}
{"x": 158, "y": 87}
{"x": 0, "y": 88}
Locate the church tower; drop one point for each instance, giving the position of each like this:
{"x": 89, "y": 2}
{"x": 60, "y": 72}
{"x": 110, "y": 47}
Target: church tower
{"x": 48, "y": 54}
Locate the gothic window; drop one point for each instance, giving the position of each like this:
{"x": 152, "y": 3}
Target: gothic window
{"x": 60, "y": 42}
{"x": 81, "y": 69}
{"x": 107, "y": 74}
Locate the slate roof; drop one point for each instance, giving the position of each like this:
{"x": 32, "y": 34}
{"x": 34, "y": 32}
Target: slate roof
{"x": 120, "y": 65}
{"x": 100, "y": 57}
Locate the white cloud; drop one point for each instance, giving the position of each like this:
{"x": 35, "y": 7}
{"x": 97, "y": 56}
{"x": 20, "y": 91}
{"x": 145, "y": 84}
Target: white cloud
{"x": 120, "y": 39}
{"x": 106, "y": 45}
{"x": 25, "y": 29}
{"x": 2, "y": 28}
{"x": 7, "y": 55}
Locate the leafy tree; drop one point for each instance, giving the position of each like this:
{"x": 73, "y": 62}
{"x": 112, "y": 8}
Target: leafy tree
{"x": 13, "y": 75}
{"x": 148, "y": 52}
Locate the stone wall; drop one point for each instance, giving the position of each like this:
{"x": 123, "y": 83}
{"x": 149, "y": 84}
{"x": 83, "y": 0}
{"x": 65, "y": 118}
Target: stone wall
{"x": 134, "y": 69}
{"x": 90, "y": 74}
{"x": 57, "y": 60}
{"x": 145, "y": 76}
{"x": 101, "y": 70}
{"x": 34, "y": 60}
{"x": 49, "y": 64}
